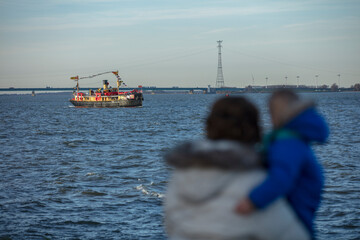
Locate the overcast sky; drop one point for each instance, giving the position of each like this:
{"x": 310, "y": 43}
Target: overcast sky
{"x": 173, "y": 43}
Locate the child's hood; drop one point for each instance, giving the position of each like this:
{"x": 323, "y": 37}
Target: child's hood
{"x": 310, "y": 125}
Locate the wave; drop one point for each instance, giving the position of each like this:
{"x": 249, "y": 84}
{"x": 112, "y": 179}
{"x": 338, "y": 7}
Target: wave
{"x": 145, "y": 191}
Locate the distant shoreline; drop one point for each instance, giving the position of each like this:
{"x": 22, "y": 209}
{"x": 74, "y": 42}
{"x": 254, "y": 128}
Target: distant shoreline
{"x": 197, "y": 90}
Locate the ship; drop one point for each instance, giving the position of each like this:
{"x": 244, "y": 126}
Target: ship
{"x": 107, "y": 97}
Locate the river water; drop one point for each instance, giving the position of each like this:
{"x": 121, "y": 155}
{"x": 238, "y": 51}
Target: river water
{"x": 83, "y": 173}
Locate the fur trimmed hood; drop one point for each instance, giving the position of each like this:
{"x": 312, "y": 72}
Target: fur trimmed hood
{"x": 221, "y": 154}
{"x": 203, "y": 169}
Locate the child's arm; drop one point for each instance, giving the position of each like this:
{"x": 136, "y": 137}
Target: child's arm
{"x": 245, "y": 206}
{"x": 285, "y": 158}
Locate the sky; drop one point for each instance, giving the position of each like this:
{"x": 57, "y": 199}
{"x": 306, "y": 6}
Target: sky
{"x": 168, "y": 43}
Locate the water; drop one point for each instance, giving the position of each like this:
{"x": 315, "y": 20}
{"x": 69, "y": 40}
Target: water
{"x": 85, "y": 173}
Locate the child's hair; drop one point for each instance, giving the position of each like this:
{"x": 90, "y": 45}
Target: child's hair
{"x": 286, "y": 94}
{"x": 234, "y": 118}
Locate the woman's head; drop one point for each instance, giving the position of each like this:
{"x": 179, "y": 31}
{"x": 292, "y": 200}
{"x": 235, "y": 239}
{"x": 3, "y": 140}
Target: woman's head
{"x": 234, "y": 118}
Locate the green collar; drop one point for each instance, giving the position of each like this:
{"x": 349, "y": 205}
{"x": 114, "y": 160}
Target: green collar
{"x": 278, "y": 134}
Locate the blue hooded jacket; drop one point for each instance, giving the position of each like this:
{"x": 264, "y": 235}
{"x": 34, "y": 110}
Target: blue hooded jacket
{"x": 293, "y": 170}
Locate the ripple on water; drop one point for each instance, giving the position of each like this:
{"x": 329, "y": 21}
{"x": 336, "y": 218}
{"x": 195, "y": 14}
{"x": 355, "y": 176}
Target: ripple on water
{"x": 90, "y": 192}
{"x": 81, "y": 222}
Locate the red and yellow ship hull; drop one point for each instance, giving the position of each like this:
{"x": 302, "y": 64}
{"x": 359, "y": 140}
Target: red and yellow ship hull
{"x": 133, "y": 99}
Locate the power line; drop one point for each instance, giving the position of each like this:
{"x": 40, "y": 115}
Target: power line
{"x": 170, "y": 58}
{"x": 288, "y": 64}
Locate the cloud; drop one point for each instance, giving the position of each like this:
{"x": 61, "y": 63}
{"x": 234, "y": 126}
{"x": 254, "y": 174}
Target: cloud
{"x": 220, "y": 30}
{"x": 347, "y": 22}
{"x": 297, "y": 41}
{"x": 128, "y": 17}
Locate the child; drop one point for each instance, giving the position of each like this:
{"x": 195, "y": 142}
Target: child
{"x": 293, "y": 171}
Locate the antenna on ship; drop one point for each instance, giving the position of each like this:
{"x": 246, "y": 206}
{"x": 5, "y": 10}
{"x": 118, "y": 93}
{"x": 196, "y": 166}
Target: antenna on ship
{"x": 220, "y": 77}
{"x": 77, "y": 82}
{"x": 118, "y": 79}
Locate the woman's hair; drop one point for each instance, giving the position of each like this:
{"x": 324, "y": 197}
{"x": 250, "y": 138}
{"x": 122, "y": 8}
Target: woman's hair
{"x": 234, "y": 118}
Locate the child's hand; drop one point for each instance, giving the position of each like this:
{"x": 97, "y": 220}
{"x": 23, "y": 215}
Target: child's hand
{"x": 245, "y": 207}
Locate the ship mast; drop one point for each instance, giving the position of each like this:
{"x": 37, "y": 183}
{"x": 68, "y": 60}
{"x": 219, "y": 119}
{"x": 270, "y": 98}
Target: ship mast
{"x": 118, "y": 81}
{"x": 77, "y": 85}
{"x": 77, "y": 82}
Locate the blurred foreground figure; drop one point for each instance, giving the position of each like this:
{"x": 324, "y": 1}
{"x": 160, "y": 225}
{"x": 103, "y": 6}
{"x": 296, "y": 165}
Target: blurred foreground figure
{"x": 211, "y": 176}
{"x": 293, "y": 171}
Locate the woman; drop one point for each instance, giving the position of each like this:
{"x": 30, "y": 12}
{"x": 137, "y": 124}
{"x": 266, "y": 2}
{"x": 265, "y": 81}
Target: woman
{"x": 212, "y": 175}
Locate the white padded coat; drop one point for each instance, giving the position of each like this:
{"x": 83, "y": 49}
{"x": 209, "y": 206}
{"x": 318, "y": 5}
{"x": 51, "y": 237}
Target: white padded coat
{"x": 200, "y": 200}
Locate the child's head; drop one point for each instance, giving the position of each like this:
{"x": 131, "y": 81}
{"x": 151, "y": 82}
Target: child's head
{"x": 234, "y": 118}
{"x": 280, "y": 104}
